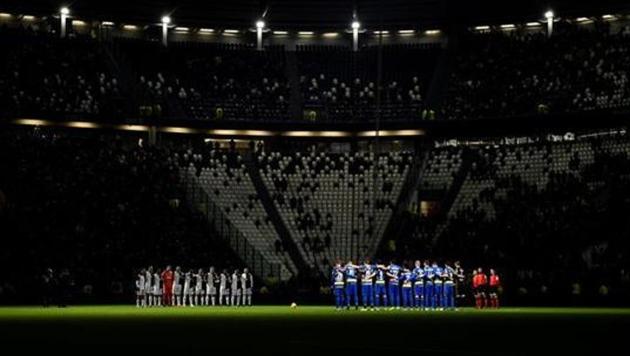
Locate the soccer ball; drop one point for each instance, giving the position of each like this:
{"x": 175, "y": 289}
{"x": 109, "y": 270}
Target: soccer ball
{"x": 293, "y": 305}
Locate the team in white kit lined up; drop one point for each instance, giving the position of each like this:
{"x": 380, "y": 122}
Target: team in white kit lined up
{"x": 177, "y": 288}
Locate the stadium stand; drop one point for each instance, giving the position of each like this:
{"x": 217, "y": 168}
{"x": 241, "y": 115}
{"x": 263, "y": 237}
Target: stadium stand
{"x": 226, "y": 181}
{"x": 336, "y": 206}
{"x": 494, "y": 203}
{"x": 209, "y": 81}
{"x": 98, "y": 205}
{"x": 441, "y": 169}
{"x": 536, "y": 209}
{"x": 43, "y": 75}
{"x": 339, "y": 84}
{"x": 502, "y": 74}
{"x": 495, "y": 74}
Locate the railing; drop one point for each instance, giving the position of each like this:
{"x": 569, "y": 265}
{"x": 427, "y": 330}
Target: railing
{"x": 199, "y": 201}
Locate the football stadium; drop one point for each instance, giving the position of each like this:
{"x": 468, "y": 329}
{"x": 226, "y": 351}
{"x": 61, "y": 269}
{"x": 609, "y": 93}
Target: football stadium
{"x": 313, "y": 177}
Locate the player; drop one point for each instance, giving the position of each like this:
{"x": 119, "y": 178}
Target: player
{"x": 380, "y": 288}
{"x": 393, "y": 275}
{"x": 493, "y": 290}
{"x": 148, "y": 286}
{"x": 236, "y": 292}
{"x": 429, "y": 274}
{"x": 189, "y": 289}
{"x": 438, "y": 286}
{"x": 367, "y": 290}
{"x": 177, "y": 286}
{"x": 140, "y": 289}
{"x": 351, "y": 272}
{"x": 167, "y": 284}
{"x": 418, "y": 284}
{"x": 475, "y": 288}
{"x": 157, "y": 288}
{"x": 338, "y": 285}
{"x": 460, "y": 278}
{"x": 247, "y": 287}
{"x": 199, "y": 291}
{"x": 211, "y": 287}
{"x": 407, "y": 288}
{"x": 224, "y": 288}
{"x": 448, "y": 296}
{"x": 481, "y": 299}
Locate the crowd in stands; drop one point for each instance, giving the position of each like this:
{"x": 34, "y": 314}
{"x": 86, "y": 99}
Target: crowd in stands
{"x": 208, "y": 81}
{"x": 96, "y": 206}
{"x": 496, "y": 74}
{"x": 551, "y": 215}
{"x": 340, "y": 85}
{"x": 41, "y": 75}
{"x": 506, "y": 74}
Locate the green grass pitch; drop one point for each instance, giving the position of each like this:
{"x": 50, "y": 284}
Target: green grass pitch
{"x": 317, "y": 330}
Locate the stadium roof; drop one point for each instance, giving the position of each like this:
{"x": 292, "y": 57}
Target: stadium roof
{"x": 318, "y": 13}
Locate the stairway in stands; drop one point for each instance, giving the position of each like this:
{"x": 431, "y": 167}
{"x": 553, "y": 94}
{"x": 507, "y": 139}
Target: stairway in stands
{"x": 412, "y": 183}
{"x": 259, "y": 262}
{"x": 274, "y": 216}
{"x": 448, "y": 200}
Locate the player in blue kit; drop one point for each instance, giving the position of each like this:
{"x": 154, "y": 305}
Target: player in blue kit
{"x": 429, "y": 301}
{"x": 380, "y": 289}
{"x": 448, "y": 275}
{"x": 338, "y": 285}
{"x": 407, "y": 288}
{"x": 367, "y": 292}
{"x": 352, "y": 274}
{"x": 438, "y": 285}
{"x": 418, "y": 284}
{"x": 393, "y": 275}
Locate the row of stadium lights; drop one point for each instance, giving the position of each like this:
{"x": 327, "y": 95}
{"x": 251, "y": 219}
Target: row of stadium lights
{"x": 224, "y": 132}
{"x": 549, "y": 19}
{"x": 261, "y": 27}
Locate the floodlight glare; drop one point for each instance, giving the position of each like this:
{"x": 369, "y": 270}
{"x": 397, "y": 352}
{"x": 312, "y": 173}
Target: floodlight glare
{"x": 549, "y": 14}
{"x": 166, "y": 20}
{"x": 64, "y": 11}
{"x": 355, "y": 25}
{"x": 260, "y": 24}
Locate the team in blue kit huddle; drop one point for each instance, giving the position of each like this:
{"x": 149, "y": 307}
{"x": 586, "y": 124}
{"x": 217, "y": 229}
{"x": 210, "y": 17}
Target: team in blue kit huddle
{"x": 425, "y": 286}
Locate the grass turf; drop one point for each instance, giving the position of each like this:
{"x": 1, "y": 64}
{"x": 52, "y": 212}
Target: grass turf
{"x": 317, "y": 330}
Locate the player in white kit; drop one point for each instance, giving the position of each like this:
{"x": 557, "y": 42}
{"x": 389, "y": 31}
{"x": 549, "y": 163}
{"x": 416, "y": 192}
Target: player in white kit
{"x": 199, "y": 291}
{"x": 224, "y": 288}
{"x": 148, "y": 286}
{"x": 157, "y": 288}
{"x": 247, "y": 286}
{"x": 236, "y": 292}
{"x": 140, "y": 289}
{"x": 211, "y": 288}
{"x": 188, "y": 289}
{"x": 177, "y": 287}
